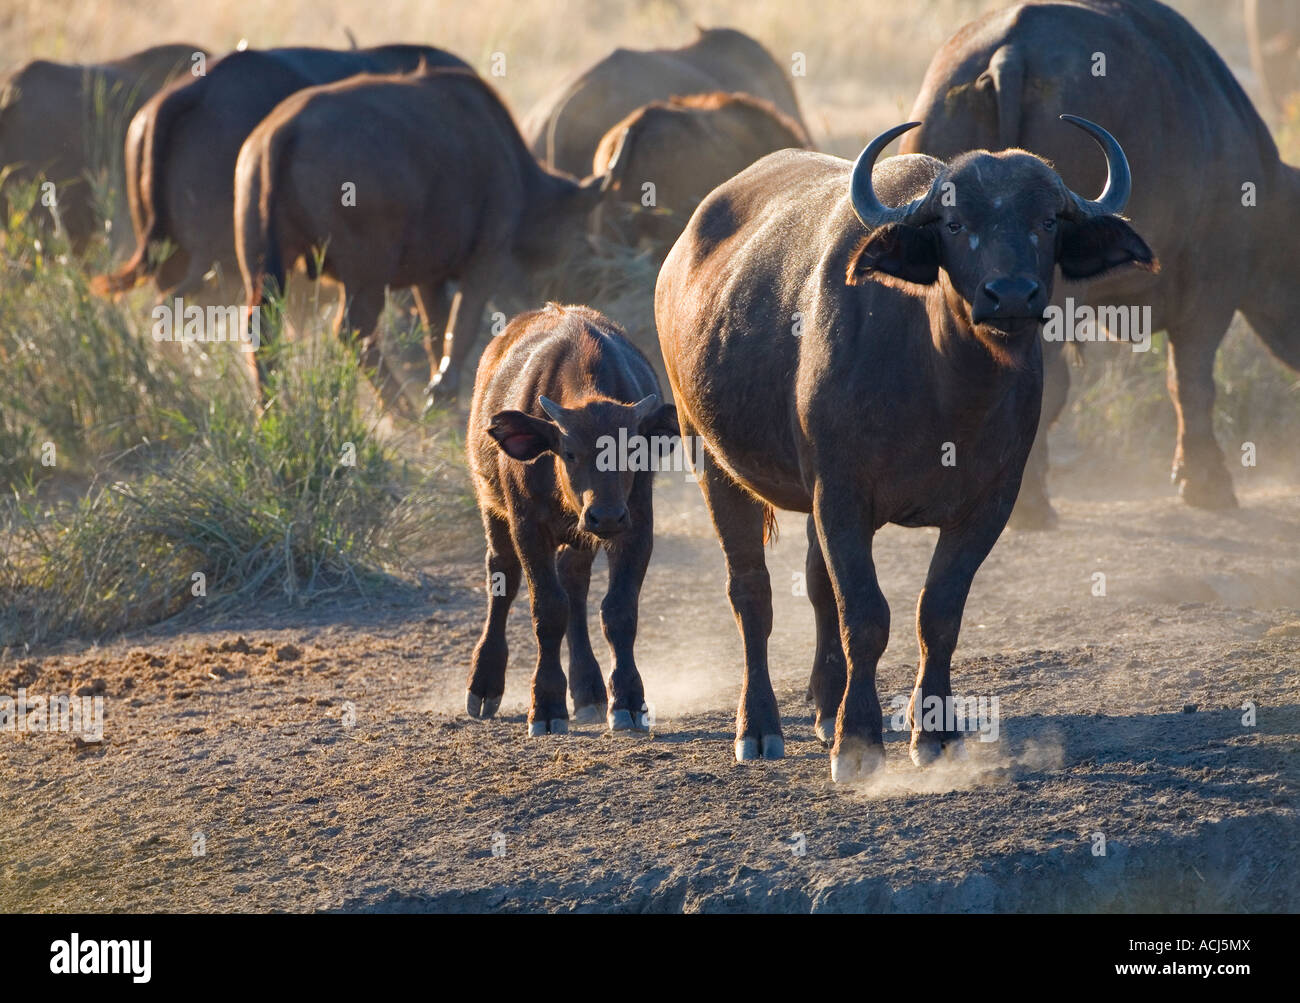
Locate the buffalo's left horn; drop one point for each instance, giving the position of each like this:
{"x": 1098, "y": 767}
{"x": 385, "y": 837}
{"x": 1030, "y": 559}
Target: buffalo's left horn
{"x": 1119, "y": 182}
{"x": 865, "y": 204}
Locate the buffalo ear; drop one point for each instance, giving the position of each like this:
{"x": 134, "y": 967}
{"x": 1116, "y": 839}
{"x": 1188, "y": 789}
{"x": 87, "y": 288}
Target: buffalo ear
{"x": 662, "y": 424}
{"x": 523, "y": 437}
{"x": 910, "y": 253}
{"x": 1094, "y": 246}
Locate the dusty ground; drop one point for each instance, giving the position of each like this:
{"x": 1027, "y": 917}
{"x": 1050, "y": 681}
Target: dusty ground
{"x": 1120, "y": 715}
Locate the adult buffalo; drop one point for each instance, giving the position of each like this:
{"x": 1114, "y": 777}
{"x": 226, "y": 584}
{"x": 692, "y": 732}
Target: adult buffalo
{"x": 892, "y": 375}
{"x": 182, "y": 146}
{"x": 434, "y": 184}
{"x": 554, "y": 394}
{"x": 564, "y": 129}
{"x": 1210, "y": 192}
{"x": 685, "y": 147}
{"x": 65, "y": 122}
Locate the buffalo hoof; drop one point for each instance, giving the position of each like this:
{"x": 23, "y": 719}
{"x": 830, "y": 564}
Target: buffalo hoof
{"x": 625, "y": 720}
{"x": 1213, "y": 493}
{"x": 1033, "y": 516}
{"x": 481, "y": 707}
{"x": 824, "y": 729}
{"x": 855, "y": 761}
{"x": 928, "y": 748}
{"x": 590, "y": 714}
{"x": 555, "y": 726}
{"x": 439, "y": 394}
{"x": 748, "y": 748}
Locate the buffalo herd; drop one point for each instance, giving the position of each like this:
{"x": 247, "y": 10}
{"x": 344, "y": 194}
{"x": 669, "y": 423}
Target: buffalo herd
{"x": 860, "y": 342}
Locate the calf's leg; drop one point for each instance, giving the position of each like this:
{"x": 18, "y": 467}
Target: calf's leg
{"x": 549, "y": 712}
{"x": 586, "y": 684}
{"x": 629, "y": 556}
{"x": 487, "y": 674}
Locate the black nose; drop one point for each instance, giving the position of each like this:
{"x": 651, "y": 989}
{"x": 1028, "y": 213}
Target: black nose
{"x": 606, "y": 520}
{"x": 1010, "y": 298}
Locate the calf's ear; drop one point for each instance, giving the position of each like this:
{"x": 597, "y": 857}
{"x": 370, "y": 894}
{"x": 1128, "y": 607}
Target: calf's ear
{"x": 663, "y": 421}
{"x": 1094, "y": 246}
{"x": 910, "y": 253}
{"x": 523, "y": 437}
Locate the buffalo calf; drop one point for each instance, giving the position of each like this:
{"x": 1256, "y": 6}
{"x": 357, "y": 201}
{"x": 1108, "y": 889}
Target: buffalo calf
{"x": 554, "y": 393}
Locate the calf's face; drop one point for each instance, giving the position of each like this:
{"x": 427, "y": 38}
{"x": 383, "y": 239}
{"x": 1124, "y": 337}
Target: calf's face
{"x": 594, "y": 443}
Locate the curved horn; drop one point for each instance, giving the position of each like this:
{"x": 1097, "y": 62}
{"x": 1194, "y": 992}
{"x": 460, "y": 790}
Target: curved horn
{"x": 865, "y": 204}
{"x": 1119, "y": 182}
{"x": 645, "y": 407}
{"x": 553, "y": 410}
{"x": 612, "y": 166}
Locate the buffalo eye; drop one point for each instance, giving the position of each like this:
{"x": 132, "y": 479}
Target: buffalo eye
{"x": 569, "y": 455}
{"x": 1049, "y": 224}
{"x": 954, "y": 227}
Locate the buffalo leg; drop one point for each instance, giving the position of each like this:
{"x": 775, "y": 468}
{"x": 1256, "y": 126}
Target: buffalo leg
{"x": 738, "y": 519}
{"x": 549, "y": 711}
{"x": 629, "y": 557}
{"x": 844, "y": 529}
{"x": 957, "y": 556}
{"x": 433, "y": 301}
{"x": 487, "y": 674}
{"x": 828, "y": 673}
{"x": 1199, "y": 471}
{"x": 462, "y": 334}
{"x": 356, "y": 325}
{"x": 1034, "y": 508}
{"x": 586, "y": 684}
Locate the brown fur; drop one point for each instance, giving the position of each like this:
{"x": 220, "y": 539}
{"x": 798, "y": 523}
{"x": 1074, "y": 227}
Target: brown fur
{"x": 547, "y": 506}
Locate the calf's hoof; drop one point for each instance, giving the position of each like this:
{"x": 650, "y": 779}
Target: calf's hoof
{"x": 928, "y": 748}
{"x": 590, "y": 714}
{"x": 555, "y": 726}
{"x": 625, "y": 720}
{"x": 769, "y": 747}
{"x": 854, "y": 760}
{"x": 481, "y": 707}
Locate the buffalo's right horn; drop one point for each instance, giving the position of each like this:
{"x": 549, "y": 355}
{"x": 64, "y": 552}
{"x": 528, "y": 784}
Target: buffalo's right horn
{"x": 1119, "y": 182}
{"x": 868, "y": 208}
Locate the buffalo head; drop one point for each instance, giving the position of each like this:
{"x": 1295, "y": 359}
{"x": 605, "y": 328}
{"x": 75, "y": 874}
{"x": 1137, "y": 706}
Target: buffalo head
{"x": 591, "y": 440}
{"x": 991, "y": 230}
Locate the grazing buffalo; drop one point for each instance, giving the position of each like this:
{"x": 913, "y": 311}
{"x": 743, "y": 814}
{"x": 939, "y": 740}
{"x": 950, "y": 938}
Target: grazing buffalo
{"x": 65, "y": 122}
{"x": 685, "y": 147}
{"x": 182, "y": 146}
{"x": 558, "y": 394}
{"x": 865, "y": 376}
{"x": 444, "y": 187}
{"x": 1209, "y": 192}
{"x": 565, "y": 129}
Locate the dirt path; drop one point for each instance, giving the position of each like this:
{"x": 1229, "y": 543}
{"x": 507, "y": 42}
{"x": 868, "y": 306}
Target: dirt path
{"x": 1120, "y": 716}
